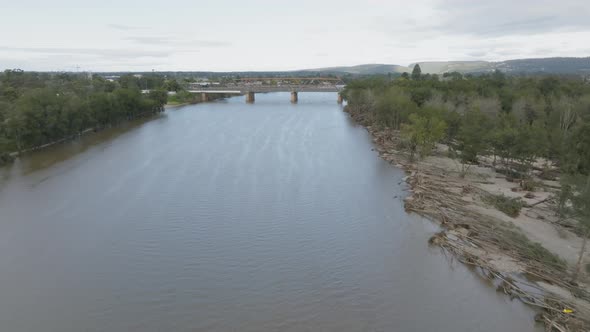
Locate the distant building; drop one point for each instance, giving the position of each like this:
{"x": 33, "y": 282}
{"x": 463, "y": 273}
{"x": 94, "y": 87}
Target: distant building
{"x": 111, "y": 78}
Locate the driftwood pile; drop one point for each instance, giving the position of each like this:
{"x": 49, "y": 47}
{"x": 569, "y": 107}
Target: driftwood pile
{"x": 472, "y": 238}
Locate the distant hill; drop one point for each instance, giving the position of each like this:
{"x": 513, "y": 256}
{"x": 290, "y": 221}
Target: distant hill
{"x": 440, "y": 67}
{"x": 368, "y": 69}
{"x": 546, "y": 65}
{"x": 530, "y": 66}
{"x": 577, "y": 66}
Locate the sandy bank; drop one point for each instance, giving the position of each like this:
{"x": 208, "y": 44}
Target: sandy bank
{"x": 512, "y": 252}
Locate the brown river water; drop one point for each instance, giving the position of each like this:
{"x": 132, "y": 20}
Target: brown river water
{"x": 226, "y": 216}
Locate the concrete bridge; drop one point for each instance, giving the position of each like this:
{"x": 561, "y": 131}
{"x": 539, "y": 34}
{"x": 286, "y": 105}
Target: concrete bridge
{"x": 250, "y": 86}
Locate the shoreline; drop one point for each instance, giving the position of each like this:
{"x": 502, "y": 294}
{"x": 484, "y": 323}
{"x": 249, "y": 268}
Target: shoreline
{"x": 180, "y": 104}
{"x": 496, "y": 246}
{"x": 194, "y": 102}
{"x": 88, "y": 131}
{"x": 15, "y": 154}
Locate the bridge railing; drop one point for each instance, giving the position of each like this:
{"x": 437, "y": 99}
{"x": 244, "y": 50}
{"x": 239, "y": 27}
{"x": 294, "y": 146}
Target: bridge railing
{"x": 271, "y": 88}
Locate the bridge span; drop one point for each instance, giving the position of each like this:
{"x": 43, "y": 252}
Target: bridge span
{"x": 249, "y": 87}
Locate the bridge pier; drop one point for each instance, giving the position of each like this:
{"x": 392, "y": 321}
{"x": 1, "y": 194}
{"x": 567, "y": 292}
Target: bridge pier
{"x": 294, "y": 98}
{"x": 340, "y": 99}
{"x": 250, "y": 97}
{"x": 204, "y": 97}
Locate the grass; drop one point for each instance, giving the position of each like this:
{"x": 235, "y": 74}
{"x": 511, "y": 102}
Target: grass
{"x": 174, "y": 103}
{"x": 510, "y": 206}
{"x": 510, "y": 173}
{"x": 531, "y": 250}
{"x": 529, "y": 185}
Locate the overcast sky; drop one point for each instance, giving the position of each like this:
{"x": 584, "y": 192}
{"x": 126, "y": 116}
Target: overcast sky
{"x": 227, "y": 35}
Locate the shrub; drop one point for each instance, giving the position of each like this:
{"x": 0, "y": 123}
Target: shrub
{"x": 510, "y": 206}
{"x": 5, "y": 158}
{"x": 529, "y": 185}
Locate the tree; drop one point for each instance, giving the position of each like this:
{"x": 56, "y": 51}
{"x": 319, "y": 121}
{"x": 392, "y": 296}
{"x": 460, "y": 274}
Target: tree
{"x": 172, "y": 85}
{"x": 564, "y": 196}
{"x": 503, "y": 137}
{"x": 420, "y": 95}
{"x": 416, "y": 72}
{"x": 472, "y": 138}
{"x": 576, "y": 150}
{"x": 581, "y": 205}
{"x": 530, "y": 144}
{"x": 129, "y": 81}
{"x": 160, "y": 97}
{"x": 40, "y": 108}
{"x": 423, "y": 131}
{"x": 10, "y": 94}
{"x": 393, "y": 107}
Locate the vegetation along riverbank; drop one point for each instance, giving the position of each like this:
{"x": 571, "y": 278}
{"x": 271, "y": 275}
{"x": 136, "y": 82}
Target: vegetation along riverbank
{"x": 41, "y": 109}
{"x": 503, "y": 164}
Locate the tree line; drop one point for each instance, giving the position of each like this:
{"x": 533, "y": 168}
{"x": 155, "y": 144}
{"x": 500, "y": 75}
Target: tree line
{"x": 514, "y": 121}
{"x": 41, "y": 108}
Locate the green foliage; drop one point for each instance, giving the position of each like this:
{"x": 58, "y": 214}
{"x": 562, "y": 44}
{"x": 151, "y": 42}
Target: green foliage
{"x": 530, "y": 250}
{"x": 473, "y": 136}
{"x": 576, "y": 155}
{"x": 423, "y": 131}
{"x": 420, "y": 95}
{"x": 504, "y": 136}
{"x": 515, "y": 119}
{"x": 518, "y": 119}
{"x": 529, "y": 185}
{"x": 563, "y": 197}
{"x": 393, "y": 107}
{"x": 416, "y": 72}
{"x": 182, "y": 97}
{"x": 172, "y": 85}
{"x": 581, "y": 202}
{"x": 453, "y": 120}
{"x": 510, "y": 206}
{"x": 37, "y": 109}
{"x": 579, "y": 196}
{"x": 159, "y": 98}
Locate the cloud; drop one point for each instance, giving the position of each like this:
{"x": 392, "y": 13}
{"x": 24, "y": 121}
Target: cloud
{"x": 267, "y": 35}
{"x": 109, "y": 53}
{"x": 476, "y": 54}
{"x": 124, "y": 27}
{"x": 486, "y": 19}
{"x": 509, "y": 18}
{"x": 163, "y": 40}
{"x": 150, "y": 40}
{"x": 210, "y": 43}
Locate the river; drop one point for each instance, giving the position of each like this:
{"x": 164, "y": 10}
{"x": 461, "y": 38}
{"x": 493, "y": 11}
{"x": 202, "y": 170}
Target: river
{"x": 227, "y": 216}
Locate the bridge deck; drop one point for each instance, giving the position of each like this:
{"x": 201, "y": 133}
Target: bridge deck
{"x": 263, "y": 88}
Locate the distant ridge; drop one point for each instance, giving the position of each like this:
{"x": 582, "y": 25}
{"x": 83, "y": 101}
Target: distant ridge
{"x": 366, "y": 69}
{"x": 558, "y": 65}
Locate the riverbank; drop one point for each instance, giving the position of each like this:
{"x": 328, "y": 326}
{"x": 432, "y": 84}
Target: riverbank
{"x": 191, "y": 99}
{"x": 529, "y": 256}
{"x": 8, "y": 158}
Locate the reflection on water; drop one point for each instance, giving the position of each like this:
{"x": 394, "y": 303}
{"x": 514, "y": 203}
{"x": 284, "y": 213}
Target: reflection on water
{"x": 228, "y": 217}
